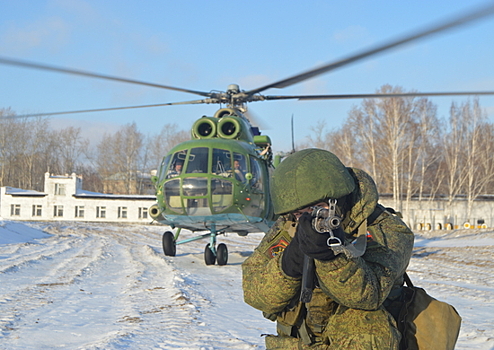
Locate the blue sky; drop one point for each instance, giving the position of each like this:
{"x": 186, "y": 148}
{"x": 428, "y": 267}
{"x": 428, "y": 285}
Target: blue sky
{"x": 209, "y": 44}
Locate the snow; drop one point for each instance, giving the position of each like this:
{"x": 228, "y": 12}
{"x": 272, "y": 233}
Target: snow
{"x": 109, "y": 286}
{"x": 20, "y": 192}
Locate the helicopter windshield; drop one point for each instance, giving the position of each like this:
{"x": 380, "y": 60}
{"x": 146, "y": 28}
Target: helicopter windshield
{"x": 175, "y": 167}
{"x": 198, "y": 160}
{"x": 222, "y": 162}
{"x": 201, "y": 181}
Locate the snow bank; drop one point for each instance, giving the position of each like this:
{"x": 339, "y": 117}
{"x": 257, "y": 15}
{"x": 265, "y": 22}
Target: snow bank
{"x": 16, "y": 232}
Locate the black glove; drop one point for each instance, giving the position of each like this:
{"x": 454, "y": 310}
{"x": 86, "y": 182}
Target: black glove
{"x": 292, "y": 259}
{"x": 313, "y": 243}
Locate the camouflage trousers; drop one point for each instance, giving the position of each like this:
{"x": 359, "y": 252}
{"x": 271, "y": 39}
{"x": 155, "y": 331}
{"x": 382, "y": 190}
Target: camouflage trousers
{"x": 348, "y": 329}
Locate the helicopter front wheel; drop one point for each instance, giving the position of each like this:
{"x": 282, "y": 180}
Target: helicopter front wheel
{"x": 209, "y": 257}
{"x": 169, "y": 244}
{"x": 222, "y": 254}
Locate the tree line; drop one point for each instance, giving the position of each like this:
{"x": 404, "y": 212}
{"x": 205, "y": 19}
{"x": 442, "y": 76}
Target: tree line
{"x": 411, "y": 152}
{"x": 400, "y": 142}
{"x": 119, "y": 163}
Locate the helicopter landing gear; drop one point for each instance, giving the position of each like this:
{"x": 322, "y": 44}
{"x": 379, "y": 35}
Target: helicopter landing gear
{"x": 169, "y": 244}
{"x": 209, "y": 256}
{"x": 212, "y": 253}
{"x": 221, "y": 255}
{"x": 218, "y": 254}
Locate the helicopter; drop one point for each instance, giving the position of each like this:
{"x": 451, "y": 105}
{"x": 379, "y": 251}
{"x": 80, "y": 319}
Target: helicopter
{"x": 218, "y": 181}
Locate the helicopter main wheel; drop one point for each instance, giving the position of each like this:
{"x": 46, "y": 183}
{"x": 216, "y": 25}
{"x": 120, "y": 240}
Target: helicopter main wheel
{"x": 209, "y": 257}
{"x": 222, "y": 254}
{"x": 169, "y": 244}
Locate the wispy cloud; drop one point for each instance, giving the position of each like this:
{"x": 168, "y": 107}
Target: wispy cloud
{"x": 49, "y": 33}
{"x": 350, "y": 34}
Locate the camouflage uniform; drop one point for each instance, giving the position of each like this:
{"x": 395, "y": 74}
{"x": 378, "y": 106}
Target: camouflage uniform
{"x": 346, "y": 310}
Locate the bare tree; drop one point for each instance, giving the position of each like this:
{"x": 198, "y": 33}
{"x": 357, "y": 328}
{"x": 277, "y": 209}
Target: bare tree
{"x": 453, "y": 154}
{"x": 478, "y": 152}
{"x": 392, "y": 139}
{"x": 121, "y": 160}
{"x": 160, "y": 144}
{"x": 70, "y": 148}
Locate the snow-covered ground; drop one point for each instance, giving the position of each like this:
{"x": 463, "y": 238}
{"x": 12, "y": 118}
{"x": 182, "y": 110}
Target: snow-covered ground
{"x": 107, "y": 286}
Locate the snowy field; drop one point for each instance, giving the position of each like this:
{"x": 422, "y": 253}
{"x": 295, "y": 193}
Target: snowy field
{"x": 107, "y": 286}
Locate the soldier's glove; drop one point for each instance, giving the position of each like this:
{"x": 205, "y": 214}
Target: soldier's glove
{"x": 313, "y": 243}
{"x": 292, "y": 259}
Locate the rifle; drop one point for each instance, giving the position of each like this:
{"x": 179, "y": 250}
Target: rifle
{"x": 323, "y": 220}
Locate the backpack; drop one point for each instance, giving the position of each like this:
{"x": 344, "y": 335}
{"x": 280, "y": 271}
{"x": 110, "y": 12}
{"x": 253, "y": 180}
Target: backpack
{"x": 426, "y": 323}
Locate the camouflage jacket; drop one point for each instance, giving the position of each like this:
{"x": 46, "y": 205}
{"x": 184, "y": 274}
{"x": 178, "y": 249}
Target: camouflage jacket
{"x": 358, "y": 283}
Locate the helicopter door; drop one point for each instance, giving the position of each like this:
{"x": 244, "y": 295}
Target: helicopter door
{"x": 257, "y": 190}
{"x": 239, "y": 167}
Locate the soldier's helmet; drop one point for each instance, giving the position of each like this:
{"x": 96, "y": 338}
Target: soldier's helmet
{"x": 307, "y": 177}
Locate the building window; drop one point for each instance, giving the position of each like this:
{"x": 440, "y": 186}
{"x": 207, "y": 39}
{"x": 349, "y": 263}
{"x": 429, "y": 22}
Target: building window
{"x": 143, "y": 213}
{"x": 15, "y": 210}
{"x": 122, "y": 212}
{"x": 37, "y": 210}
{"x": 101, "y": 212}
{"x": 59, "y": 189}
{"x": 58, "y": 211}
{"x": 79, "y": 211}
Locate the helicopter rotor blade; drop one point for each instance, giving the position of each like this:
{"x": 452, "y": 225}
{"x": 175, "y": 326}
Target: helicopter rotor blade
{"x": 256, "y": 121}
{"x": 106, "y": 109}
{"x": 428, "y": 31}
{"x": 39, "y": 66}
{"x": 360, "y": 96}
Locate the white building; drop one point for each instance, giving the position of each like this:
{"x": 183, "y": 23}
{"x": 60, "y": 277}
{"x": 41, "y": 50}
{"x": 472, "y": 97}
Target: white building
{"x": 64, "y": 199}
{"x": 438, "y": 213}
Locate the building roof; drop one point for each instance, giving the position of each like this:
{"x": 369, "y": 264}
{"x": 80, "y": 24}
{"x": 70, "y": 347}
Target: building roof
{"x": 20, "y": 192}
{"x": 89, "y": 194}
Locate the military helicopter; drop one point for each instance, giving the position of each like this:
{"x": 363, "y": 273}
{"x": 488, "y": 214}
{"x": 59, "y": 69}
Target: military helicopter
{"x": 218, "y": 181}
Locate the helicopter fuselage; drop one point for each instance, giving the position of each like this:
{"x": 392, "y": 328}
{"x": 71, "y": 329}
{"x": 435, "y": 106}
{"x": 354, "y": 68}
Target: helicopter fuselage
{"x": 217, "y": 181}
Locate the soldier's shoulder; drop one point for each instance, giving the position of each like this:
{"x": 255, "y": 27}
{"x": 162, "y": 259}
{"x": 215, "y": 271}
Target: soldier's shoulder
{"x": 278, "y": 237}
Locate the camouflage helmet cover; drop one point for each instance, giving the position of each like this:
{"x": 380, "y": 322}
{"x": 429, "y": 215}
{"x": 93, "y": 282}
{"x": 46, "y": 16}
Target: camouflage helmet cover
{"x": 307, "y": 177}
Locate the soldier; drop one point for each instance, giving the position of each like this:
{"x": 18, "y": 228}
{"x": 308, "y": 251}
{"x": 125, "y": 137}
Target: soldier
{"x": 176, "y": 170}
{"x": 353, "y": 280}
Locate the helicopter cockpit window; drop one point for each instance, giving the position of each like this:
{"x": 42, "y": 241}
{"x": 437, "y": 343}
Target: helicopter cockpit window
{"x": 222, "y": 194}
{"x": 163, "y": 166}
{"x": 172, "y": 195}
{"x": 198, "y": 160}
{"x": 222, "y": 162}
{"x": 255, "y": 169}
{"x": 176, "y": 165}
{"x": 239, "y": 166}
{"x": 195, "y": 191}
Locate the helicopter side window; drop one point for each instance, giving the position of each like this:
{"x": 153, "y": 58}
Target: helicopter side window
{"x": 176, "y": 165}
{"x": 172, "y": 195}
{"x": 221, "y": 162}
{"x": 198, "y": 160}
{"x": 255, "y": 169}
{"x": 163, "y": 166}
{"x": 239, "y": 166}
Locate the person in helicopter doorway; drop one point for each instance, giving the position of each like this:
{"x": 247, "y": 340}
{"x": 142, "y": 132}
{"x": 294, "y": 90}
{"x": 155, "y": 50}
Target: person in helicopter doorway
{"x": 352, "y": 281}
{"x": 239, "y": 173}
{"x": 176, "y": 169}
